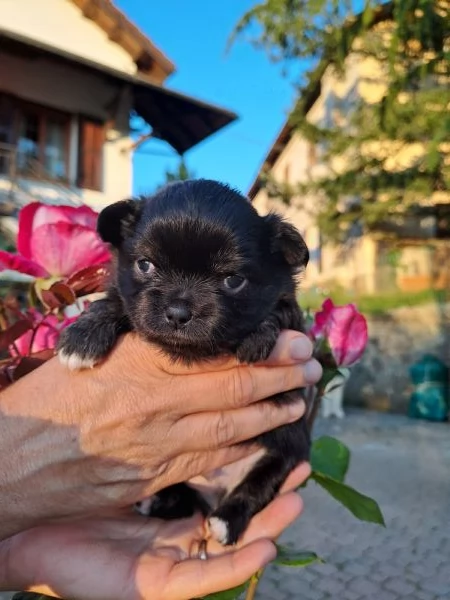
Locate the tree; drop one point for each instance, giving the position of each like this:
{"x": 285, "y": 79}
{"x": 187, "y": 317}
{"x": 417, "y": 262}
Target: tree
{"x": 410, "y": 40}
{"x": 181, "y": 173}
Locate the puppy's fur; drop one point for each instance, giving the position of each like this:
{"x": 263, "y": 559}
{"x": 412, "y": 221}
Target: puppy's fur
{"x": 201, "y": 274}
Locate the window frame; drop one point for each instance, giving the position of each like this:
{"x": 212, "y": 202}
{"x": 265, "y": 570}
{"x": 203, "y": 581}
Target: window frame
{"x": 44, "y": 114}
{"x": 73, "y": 176}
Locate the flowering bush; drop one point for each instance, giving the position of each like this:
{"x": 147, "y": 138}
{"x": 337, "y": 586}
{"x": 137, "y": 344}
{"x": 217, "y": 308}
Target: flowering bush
{"x": 55, "y": 241}
{"x": 67, "y": 264}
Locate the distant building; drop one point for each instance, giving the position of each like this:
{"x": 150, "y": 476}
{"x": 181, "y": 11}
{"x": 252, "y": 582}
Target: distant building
{"x": 71, "y": 74}
{"x": 366, "y": 263}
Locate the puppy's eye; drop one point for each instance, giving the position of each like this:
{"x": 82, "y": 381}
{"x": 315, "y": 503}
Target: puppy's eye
{"x": 145, "y": 266}
{"x": 234, "y": 283}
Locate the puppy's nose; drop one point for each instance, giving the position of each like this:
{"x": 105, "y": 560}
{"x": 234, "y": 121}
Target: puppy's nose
{"x": 178, "y": 313}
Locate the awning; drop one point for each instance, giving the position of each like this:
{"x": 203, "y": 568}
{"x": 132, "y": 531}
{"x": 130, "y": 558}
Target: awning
{"x": 180, "y": 120}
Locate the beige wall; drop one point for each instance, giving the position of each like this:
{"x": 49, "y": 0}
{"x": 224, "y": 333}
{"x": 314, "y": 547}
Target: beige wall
{"x": 61, "y": 24}
{"x": 350, "y": 266}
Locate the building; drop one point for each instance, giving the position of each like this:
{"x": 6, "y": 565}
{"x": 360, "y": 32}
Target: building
{"x": 367, "y": 263}
{"x": 71, "y": 74}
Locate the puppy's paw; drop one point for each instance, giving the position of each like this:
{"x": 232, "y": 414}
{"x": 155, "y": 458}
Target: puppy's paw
{"x": 228, "y": 522}
{"x": 219, "y": 530}
{"x": 84, "y": 344}
{"x": 75, "y": 361}
{"x": 252, "y": 350}
{"x": 144, "y": 507}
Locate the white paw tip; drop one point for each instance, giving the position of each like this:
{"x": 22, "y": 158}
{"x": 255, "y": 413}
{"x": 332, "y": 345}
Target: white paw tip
{"x": 218, "y": 529}
{"x": 74, "y": 362}
{"x": 143, "y": 507}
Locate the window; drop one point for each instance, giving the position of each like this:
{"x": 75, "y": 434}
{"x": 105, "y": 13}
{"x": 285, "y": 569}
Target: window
{"x": 39, "y": 139}
{"x": 6, "y": 134}
{"x": 43, "y": 143}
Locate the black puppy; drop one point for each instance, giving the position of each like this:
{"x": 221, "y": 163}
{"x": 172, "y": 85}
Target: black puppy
{"x": 201, "y": 274}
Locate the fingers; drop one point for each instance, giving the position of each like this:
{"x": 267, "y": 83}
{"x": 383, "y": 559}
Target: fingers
{"x": 247, "y": 384}
{"x": 275, "y": 518}
{"x": 298, "y": 476}
{"x": 219, "y": 573}
{"x": 226, "y": 428}
{"x": 268, "y": 524}
{"x": 292, "y": 347}
{"x": 188, "y": 465}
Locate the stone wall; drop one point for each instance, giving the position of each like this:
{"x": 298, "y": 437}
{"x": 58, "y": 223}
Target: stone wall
{"x": 397, "y": 339}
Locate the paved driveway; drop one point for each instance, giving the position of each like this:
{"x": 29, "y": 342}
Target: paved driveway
{"x": 405, "y": 466}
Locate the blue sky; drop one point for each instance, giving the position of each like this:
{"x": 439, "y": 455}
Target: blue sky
{"x": 194, "y": 35}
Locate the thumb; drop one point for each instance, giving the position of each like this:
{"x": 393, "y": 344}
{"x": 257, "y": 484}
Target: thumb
{"x": 201, "y": 577}
{"x": 292, "y": 347}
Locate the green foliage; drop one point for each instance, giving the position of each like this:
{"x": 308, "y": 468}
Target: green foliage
{"x": 330, "y": 457}
{"x": 376, "y": 304}
{"x": 410, "y": 40}
{"x": 232, "y": 594}
{"x": 287, "y": 557}
{"x": 180, "y": 173}
{"x": 362, "y": 507}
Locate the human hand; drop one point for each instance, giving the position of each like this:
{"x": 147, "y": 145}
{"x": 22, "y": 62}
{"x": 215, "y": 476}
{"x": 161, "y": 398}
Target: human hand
{"x": 94, "y": 440}
{"x": 131, "y": 558}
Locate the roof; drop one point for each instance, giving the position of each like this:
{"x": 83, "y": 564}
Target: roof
{"x": 309, "y": 96}
{"x": 149, "y": 59}
{"x": 180, "y": 120}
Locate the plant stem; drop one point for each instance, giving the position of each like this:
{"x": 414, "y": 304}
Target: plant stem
{"x": 251, "y": 591}
{"x": 313, "y": 398}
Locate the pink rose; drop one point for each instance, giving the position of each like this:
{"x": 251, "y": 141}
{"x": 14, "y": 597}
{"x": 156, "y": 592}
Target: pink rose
{"x": 43, "y": 336}
{"x": 55, "y": 241}
{"x": 345, "y": 330}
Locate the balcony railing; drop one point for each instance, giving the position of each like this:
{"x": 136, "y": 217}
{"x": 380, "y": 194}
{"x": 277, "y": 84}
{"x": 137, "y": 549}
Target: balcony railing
{"x": 19, "y": 172}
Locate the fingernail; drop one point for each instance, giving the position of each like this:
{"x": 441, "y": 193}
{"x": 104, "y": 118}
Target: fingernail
{"x": 312, "y": 371}
{"x": 300, "y": 348}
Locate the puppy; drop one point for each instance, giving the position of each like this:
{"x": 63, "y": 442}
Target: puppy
{"x": 201, "y": 274}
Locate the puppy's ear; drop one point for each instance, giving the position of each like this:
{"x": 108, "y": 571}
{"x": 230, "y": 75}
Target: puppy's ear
{"x": 285, "y": 238}
{"x": 117, "y": 221}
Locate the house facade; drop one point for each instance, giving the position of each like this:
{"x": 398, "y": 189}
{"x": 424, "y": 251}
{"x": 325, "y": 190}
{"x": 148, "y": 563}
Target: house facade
{"x": 71, "y": 74}
{"x": 365, "y": 264}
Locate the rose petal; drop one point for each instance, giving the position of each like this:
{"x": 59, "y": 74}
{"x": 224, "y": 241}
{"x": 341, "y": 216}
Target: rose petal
{"x": 321, "y": 319}
{"x": 344, "y": 329}
{"x": 45, "y": 336}
{"x": 356, "y": 340}
{"x": 15, "y": 262}
{"x": 36, "y": 214}
{"x": 347, "y": 334}
{"x": 63, "y": 248}
{"x": 26, "y": 218}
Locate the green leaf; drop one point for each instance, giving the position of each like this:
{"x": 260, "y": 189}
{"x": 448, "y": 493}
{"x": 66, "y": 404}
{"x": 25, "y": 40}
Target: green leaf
{"x": 287, "y": 557}
{"x": 363, "y": 507}
{"x": 328, "y": 375}
{"x": 330, "y": 457}
{"x": 231, "y": 594}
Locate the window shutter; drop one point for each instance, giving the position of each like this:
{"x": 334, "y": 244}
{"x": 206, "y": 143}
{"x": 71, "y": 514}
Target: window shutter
{"x": 90, "y": 154}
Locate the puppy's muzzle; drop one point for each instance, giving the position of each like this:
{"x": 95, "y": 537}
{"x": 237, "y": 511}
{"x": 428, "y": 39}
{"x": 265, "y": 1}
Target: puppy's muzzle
{"x": 178, "y": 314}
